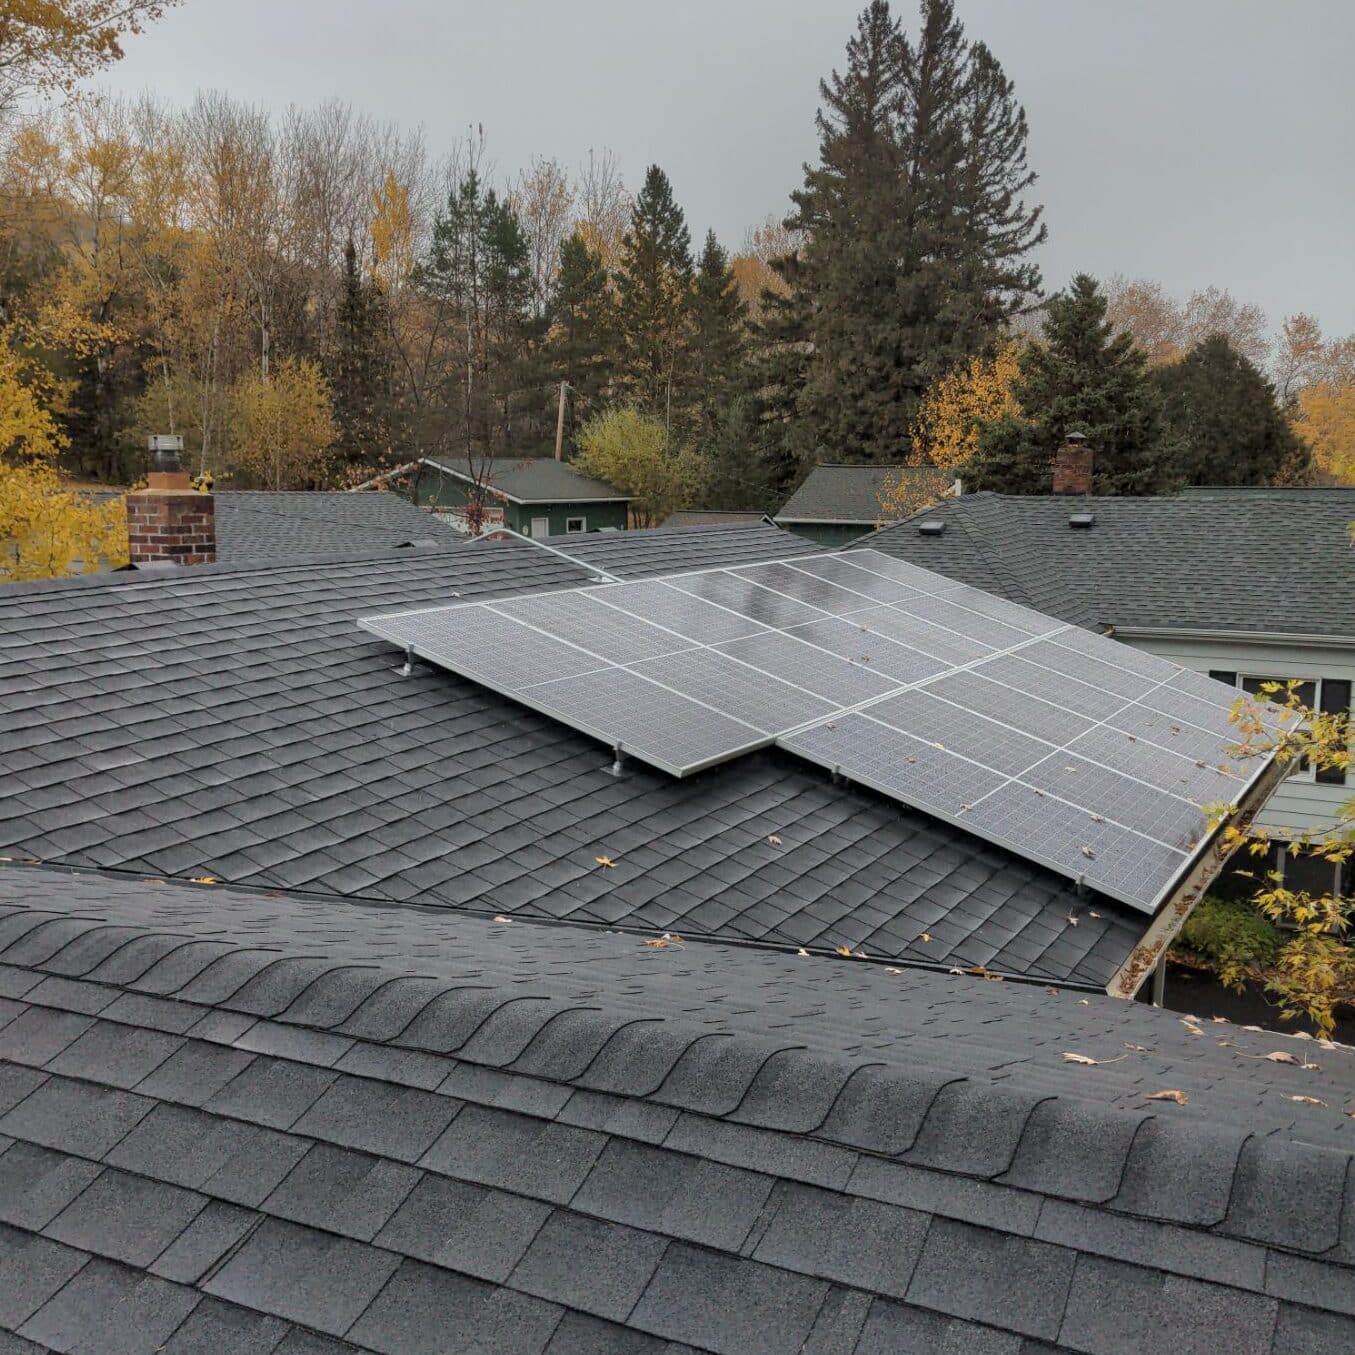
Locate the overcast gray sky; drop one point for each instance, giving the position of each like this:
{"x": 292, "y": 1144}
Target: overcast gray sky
{"x": 1191, "y": 141}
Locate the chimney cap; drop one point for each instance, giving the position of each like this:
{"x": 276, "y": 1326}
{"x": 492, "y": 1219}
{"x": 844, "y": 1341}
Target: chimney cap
{"x": 1077, "y": 439}
{"x": 166, "y": 450}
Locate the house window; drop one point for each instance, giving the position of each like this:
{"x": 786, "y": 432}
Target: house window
{"x": 576, "y": 525}
{"x": 1330, "y": 695}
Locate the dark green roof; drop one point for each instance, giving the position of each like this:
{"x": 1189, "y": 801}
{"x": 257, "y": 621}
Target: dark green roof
{"x": 538, "y": 479}
{"x": 851, "y": 494}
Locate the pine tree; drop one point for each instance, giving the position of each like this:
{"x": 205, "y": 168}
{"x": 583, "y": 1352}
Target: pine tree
{"x": 737, "y": 470}
{"x": 917, "y": 236}
{"x": 653, "y": 279}
{"x": 1225, "y": 414}
{"x": 1081, "y": 377}
{"x": 718, "y": 343}
{"x": 479, "y": 270}
{"x": 361, "y": 372}
{"x": 582, "y": 330}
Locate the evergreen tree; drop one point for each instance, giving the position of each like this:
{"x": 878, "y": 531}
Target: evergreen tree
{"x": 737, "y": 470}
{"x": 1081, "y": 377}
{"x": 582, "y": 338}
{"x": 479, "y": 270}
{"x": 718, "y": 343}
{"x": 653, "y": 280}
{"x": 361, "y": 372}
{"x": 1225, "y": 414}
{"x": 917, "y": 237}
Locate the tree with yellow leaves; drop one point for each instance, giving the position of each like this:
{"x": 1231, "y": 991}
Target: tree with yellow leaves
{"x": 283, "y": 426}
{"x": 49, "y": 45}
{"x": 1316, "y": 376}
{"x": 1315, "y": 971}
{"x": 45, "y": 529}
{"x": 624, "y": 448}
{"x": 961, "y": 404}
{"x": 1325, "y": 419}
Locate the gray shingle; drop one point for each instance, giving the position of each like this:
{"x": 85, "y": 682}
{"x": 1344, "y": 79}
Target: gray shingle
{"x": 118, "y": 1055}
{"x": 203, "y": 1243}
{"x": 342, "y": 1191}
{"x": 125, "y": 1217}
{"x": 272, "y": 1092}
{"x": 75, "y": 1117}
{"x": 425, "y": 1311}
{"x": 36, "y": 1184}
{"x": 1118, "y": 1309}
{"x": 361, "y": 1113}
{"x": 312, "y": 1278}
{"x": 32, "y": 1269}
{"x": 974, "y": 1272}
{"x": 215, "y": 1328}
{"x": 727, "y": 1305}
{"x": 497, "y": 1148}
{"x": 896, "y": 1329}
{"x": 110, "y": 1310}
{"x": 464, "y": 1227}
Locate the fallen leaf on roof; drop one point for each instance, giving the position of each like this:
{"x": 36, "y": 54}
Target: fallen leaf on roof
{"x": 501, "y": 918}
{"x": 1040, "y": 793}
{"x": 1082, "y": 1058}
{"x": 1089, "y": 854}
{"x": 926, "y": 936}
{"x": 1279, "y": 1056}
{"x": 1300, "y": 1035}
{"x": 1307, "y": 1100}
{"x": 1097, "y": 818}
{"x": 892, "y": 971}
{"x": 803, "y": 951}
{"x": 667, "y": 939}
{"x": 983, "y": 972}
{"x": 910, "y": 759}
{"x": 1224, "y": 1044}
{"x": 606, "y": 862}
{"x": 1072, "y": 920}
{"x": 843, "y": 950}
{"x": 955, "y": 971}
{"x": 1138, "y": 1048}
{"x": 1133, "y": 738}
{"x": 1170, "y": 1095}
{"x": 204, "y": 880}
{"x": 1200, "y": 763}
{"x": 1251, "y": 1027}
{"x": 1084, "y": 1002}
{"x": 774, "y": 840}
{"x": 1052, "y": 991}
{"x": 1091, "y": 912}
{"x": 1219, "y": 1020}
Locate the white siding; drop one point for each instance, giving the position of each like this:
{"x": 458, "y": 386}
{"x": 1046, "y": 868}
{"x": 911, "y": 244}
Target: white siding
{"x": 1299, "y": 804}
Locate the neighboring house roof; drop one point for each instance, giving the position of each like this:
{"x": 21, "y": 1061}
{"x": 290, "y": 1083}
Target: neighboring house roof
{"x": 236, "y": 1121}
{"x": 255, "y": 525}
{"x": 1292, "y": 493}
{"x": 1240, "y": 563}
{"x": 234, "y": 722}
{"x": 537, "y": 479}
{"x": 851, "y": 494}
{"x": 701, "y": 517}
{"x": 267, "y": 525}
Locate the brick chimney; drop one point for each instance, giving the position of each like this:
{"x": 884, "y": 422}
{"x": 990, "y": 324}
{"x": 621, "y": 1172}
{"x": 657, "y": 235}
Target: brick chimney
{"x": 169, "y": 519}
{"x": 1073, "y": 466}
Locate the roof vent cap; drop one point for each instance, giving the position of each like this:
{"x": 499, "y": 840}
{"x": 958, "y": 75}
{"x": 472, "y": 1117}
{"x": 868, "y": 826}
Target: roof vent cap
{"x": 1082, "y": 520}
{"x": 931, "y": 527}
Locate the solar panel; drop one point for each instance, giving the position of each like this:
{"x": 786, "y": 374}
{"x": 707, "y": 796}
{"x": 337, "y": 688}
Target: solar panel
{"x": 1066, "y": 747}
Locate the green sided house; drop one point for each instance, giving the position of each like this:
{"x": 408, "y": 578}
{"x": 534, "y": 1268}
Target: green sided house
{"x": 837, "y": 504}
{"x": 536, "y": 496}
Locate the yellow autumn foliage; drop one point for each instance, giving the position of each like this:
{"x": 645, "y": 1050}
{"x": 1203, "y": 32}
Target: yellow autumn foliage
{"x": 283, "y": 426}
{"x": 1325, "y": 418}
{"x": 961, "y": 404}
{"x": 45, "y": 529}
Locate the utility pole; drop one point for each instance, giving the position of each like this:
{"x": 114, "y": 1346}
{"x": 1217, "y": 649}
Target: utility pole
{"x": 560, "y": 422}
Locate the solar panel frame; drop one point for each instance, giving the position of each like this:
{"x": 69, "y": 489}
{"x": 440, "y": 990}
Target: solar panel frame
{"x": 706, "y": 665}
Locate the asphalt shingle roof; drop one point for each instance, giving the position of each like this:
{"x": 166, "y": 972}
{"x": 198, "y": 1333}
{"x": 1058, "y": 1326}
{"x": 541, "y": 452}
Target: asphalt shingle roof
{"x": 234, "y": 722}
{"x": 851, "y": 494}
{"x": 240, "y": 1121}
{"x": 539, "y": 479}
{"x": 1231, "y": 561}
{"x": 254, "y": 525}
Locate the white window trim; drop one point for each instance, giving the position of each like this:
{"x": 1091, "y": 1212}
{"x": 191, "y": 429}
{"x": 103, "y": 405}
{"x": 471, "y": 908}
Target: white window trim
{"x": 574, "y": 531}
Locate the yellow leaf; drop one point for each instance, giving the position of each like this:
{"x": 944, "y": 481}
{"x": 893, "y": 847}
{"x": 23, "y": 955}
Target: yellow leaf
{"x": 204, "y": 879}
{"x": 843, "y": 950}
{"x": 1080, "y": 1058}
{"x": 774, "y": 840}
{"x": 1171, "y": 1095}
{"x": 1281, "y": 1056}
{"x": 605, "y": 861}
{"x": 926, "y": 936}
{"x": 1308, "y": 1100}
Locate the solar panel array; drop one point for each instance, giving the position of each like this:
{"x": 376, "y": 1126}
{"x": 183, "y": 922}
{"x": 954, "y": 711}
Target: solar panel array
{"x": 1066, "y": 747}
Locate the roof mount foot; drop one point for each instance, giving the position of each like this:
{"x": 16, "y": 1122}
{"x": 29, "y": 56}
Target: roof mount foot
{"x": 618, "y": 767}
{"x": 406, "y": 669}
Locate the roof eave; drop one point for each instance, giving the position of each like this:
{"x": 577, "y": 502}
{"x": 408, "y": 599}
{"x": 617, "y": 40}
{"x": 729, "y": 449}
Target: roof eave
{"x": 1256, "y": 637}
